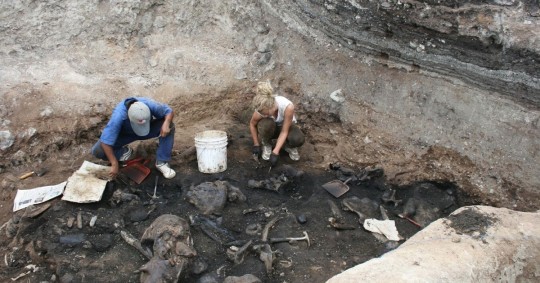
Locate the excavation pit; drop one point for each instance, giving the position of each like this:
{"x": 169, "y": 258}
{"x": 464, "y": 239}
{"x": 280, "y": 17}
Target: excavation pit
{"x": 297, "y": 205}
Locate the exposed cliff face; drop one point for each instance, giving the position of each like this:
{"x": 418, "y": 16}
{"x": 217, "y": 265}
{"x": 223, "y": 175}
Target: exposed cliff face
{"x": 438, "y": 91}
{"x": 492, "y": 44}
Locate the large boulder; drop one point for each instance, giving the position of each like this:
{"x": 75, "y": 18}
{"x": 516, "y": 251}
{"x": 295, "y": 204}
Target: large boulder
{"x": 475, "y": 243}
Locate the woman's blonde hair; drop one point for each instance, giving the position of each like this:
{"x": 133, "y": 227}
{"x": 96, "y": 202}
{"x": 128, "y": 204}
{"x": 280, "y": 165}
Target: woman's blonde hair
{"x": 264, "y": 96}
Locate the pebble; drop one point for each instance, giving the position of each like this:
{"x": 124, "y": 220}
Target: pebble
{"x": 93, "y": 221}
{"x": 385, "y": 5}
{"x": 337, "y": 96}
{"x": 301, "y": 218}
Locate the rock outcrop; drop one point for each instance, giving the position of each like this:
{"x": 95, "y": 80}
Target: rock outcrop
{"x": 473, "y": 244}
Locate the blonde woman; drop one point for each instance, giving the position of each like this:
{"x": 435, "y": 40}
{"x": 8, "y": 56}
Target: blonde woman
{"x": 273, "y": 118}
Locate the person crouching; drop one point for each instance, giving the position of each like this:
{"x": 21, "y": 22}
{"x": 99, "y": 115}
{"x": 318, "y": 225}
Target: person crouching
{"x": 273, "y": 118}
{"x": 137, "y": 118}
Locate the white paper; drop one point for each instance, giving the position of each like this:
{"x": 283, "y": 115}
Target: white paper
{"x": 25, "y": 198}
{"x": 385, "y": 227}
{"x": 87, "y": 184}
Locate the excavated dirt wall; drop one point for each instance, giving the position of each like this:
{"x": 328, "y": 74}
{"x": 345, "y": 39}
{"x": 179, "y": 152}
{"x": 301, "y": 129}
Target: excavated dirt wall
{"x": 445, "y": 94}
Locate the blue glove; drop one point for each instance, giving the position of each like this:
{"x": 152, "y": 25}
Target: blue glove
{"x": 273, "y": 159}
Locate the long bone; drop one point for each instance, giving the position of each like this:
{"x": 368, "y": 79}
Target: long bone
{"x": 238, "y": 256}
{"x": 267, "y": 228}
{"x": 290, "y": 240}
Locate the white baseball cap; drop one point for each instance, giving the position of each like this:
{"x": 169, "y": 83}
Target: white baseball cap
{"x": 139, "y": 116}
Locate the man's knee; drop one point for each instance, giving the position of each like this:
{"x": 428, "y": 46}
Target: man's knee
{"x": 97, "y": 151}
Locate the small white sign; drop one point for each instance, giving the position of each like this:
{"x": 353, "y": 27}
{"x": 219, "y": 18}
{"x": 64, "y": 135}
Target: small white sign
{"x": 25, "y": 198}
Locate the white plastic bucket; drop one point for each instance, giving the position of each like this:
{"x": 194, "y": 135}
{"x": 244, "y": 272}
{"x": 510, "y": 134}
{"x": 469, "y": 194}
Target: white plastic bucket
{"x": 211, "y": 151}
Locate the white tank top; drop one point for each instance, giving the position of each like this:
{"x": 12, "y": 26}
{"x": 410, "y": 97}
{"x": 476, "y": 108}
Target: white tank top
{"x": 282, "y": 103}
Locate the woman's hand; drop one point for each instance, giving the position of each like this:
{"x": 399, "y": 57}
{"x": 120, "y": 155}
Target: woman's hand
{"x": 273, "y": 159}
{"x": 256, "y": 150}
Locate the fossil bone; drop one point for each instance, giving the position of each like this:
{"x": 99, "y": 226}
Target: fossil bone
{"x": 291, "y": 240}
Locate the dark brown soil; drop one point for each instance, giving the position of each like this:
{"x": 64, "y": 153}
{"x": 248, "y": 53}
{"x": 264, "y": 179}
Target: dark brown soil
{"x": 470, "y": 221}
{"x": 99, "y": 254}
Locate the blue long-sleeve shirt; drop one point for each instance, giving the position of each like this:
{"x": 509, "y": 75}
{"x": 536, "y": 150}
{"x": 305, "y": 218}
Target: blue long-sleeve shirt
{"x": 119, "y": 122}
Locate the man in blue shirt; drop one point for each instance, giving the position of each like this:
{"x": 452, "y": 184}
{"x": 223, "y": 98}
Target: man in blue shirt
{"x": 137, "y": 118}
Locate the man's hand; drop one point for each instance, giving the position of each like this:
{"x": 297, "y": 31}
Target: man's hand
{"x": 273, "y": 159}
{"x": 165, "y": 130}
{"x": 166, "y": 127}
{"x": 256, "y": 150}
{"x": 112, "y": 159}
{"x": 114, "y": 170}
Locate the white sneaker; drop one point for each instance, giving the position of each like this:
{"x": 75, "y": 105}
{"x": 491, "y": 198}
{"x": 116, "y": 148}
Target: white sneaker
{"x": 167, "y": 172}
{"x": 293, "y": 153}
{"x": 127, "y": 154}
{"x": 267, "y": 150}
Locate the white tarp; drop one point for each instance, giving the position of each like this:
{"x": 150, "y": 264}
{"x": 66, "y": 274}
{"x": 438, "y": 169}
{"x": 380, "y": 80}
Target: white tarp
{"x": 87, "y": 184}
{"x": 25, "y": 198}
{"x": 385, "y": 227}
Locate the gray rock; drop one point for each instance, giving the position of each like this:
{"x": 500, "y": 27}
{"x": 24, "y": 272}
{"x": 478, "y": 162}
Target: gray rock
{"x": 514, "y": 235}
{"x": 28, "y": 133}
{"x": 73, "y": 239}
{"x": 208, "y": 197}
{"x": 264, "y": 58}
{"x": 234, "y": 194}
{"x": 101, "y": 242}
{"x": 199, "y": 266}
{"x": 265, "y": 45}
{"x": 6, "y": 140}
{"x": 248, "y": 278}
{"x": 137, "y": 215}
{"x": 46, "y": 112}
